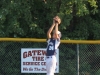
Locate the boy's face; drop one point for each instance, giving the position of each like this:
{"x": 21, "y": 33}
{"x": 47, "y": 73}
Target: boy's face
{"x": 54, "y": 35}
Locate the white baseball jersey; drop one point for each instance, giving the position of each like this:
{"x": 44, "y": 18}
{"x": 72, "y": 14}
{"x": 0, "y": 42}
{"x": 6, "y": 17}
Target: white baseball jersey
{"x": 51, "y": 60}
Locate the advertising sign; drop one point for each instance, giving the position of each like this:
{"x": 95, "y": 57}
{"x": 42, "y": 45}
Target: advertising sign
{"x": 33, "y": 60}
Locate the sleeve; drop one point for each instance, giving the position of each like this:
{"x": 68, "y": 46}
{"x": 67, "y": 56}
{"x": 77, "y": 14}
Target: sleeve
{"x": 48, "y": 40}
{"x": 58, "y": 39}
{"x": 57, "y": 43}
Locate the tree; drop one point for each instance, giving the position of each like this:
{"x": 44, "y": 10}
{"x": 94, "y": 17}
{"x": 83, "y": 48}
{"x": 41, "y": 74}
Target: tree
{"x": 32, "y": 18}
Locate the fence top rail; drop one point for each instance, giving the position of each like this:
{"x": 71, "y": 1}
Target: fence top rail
{"x": 44, "y": 40}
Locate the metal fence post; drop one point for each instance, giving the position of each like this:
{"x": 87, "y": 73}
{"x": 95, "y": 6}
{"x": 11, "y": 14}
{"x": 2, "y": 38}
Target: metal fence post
{"x": 77, "y": 59}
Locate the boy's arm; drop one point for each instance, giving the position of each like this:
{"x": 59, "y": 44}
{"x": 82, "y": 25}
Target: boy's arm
{"x": 56, "y": 29}
{"x": 50, "y": 30}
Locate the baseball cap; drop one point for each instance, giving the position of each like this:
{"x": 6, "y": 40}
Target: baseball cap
{"x": 59, "y": 33}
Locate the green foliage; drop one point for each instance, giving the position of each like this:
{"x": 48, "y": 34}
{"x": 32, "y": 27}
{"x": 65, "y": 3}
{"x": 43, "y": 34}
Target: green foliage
{"x": 98, "y": 72}
{"x": 32, "y": 18}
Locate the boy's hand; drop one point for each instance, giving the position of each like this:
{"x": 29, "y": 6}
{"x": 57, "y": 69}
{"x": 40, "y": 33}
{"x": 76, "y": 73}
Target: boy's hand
{"x": 57, "y": 19}
{"x": 53, "y": 21}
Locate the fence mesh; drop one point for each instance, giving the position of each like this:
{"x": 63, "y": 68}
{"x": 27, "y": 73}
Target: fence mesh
{"x": 89, "y": 58}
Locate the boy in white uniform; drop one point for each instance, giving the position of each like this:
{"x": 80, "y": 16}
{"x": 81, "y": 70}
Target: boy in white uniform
{"x": 53, "y": 43}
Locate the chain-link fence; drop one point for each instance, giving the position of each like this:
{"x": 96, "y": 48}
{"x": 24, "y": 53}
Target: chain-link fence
{"x": 89, "y": 58}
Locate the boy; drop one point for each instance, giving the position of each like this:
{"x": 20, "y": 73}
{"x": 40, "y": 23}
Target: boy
{"x": 53, "y": 43}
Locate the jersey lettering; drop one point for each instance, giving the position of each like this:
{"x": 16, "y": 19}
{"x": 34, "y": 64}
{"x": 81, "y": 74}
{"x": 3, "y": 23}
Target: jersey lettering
{"x": 51, "y": 47}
